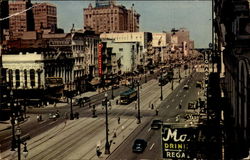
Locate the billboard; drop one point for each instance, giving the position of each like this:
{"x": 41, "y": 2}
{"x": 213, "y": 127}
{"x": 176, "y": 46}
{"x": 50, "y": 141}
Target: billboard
{"x": 189, "y": 143}
{"x": 175, "y": 142}
{"x": 100, "y": 45}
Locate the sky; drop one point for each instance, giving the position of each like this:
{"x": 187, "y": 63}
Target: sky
{"x": 156, "y": 16}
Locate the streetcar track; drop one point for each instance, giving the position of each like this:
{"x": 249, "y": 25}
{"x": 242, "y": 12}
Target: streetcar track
{"x": 65, "y": 141}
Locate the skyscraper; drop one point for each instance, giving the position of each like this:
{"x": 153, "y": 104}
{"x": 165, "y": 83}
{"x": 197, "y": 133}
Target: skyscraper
{"x": 22, "y": 21}
{"x": 45, "y": 15}
{"x": 109, "y": 17}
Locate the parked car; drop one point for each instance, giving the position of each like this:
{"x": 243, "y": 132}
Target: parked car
{"x": 156, "y": 124}
{"x": 139, "y": 145}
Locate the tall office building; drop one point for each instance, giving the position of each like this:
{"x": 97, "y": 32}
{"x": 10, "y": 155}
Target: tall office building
{"x": 109, "y": 17}
{"x": 45, "y": 16}
{"x": 23, "y": 21}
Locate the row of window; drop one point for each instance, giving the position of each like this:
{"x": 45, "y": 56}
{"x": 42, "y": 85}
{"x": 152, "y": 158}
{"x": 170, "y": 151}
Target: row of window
{"x": 105, "y": 12}
{"x": 18, "y": 79}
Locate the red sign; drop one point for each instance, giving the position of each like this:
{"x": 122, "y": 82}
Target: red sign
{"x": 100, "y": 59}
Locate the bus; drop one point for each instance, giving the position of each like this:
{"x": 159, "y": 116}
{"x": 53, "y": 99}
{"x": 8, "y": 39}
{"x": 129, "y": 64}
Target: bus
{"x": 54, "y": 88}
{"x": 128, "y": 96}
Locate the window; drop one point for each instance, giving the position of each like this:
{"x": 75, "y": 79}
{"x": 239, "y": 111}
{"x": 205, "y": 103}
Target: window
{"x": 121, "y": 49}
{"x": 32, "y": 78}
{"x": 25, "y": 78}
{"x": 17, "y": 78}
{"x": 39, "y": 78}
{"x": 11, "y": 78}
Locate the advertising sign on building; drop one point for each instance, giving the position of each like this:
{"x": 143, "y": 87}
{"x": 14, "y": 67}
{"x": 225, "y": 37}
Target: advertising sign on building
{"x": 175, "y": 142}
{"x": 100, "y": 59}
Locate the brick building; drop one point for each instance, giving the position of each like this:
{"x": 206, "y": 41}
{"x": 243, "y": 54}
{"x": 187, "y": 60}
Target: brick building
{"x": 111, "y": 18}
{"x": 21, "y": 22}
{"x": 45, "y": 16}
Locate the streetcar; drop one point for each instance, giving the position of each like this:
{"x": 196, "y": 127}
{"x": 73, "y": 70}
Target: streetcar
{"x": 128, "y": 96}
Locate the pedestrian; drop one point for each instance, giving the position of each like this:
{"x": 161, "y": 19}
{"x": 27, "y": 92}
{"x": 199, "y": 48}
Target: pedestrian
{"x": 117, "y": 102}
{"x": 98, "y": 152}
{"x": 156, "y": 112}
{"x": 37, "y": 118}
{"x": 118, "y": 120}
{"x": 65, "y": 122}
{"x": 66, "y": 115}
{"x": 180, "y": 106}
{"x": 152, "y": 106}
{"x": 114, "y": 133}
{"x": 77, "y": 115}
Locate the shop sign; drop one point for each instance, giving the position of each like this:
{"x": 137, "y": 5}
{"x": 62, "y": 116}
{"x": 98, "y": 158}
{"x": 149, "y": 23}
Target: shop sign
{"x": 100, "y": 59}
{"x": 175, "y": 142}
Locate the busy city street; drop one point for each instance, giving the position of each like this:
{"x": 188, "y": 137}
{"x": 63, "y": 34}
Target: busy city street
{"x": 124, "y": 80}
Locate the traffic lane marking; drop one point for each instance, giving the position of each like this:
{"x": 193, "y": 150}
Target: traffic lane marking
{"x": 152, "y": 146}
{"x": 149, "y": 129}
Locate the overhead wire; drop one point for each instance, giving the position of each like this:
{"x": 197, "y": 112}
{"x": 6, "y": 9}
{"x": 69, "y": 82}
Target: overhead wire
{"x": 15, "y": 14}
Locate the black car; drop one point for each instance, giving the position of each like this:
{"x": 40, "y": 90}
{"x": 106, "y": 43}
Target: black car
{"x": 156, "y": 124}
{"x": 139, "y": 145}
{"x": 82, "y": 100}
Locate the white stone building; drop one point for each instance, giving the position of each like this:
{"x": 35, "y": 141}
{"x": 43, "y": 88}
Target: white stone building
{"x": 24, "y": 70}
{"x": 125, "y": 53}
{"x": 144, "y": 40}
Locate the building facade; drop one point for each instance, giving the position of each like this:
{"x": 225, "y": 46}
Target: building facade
{"x": 24, "y": 70}
{"x": 21, "y": 22}
{"x": 161, "y": 44}
{"x": 111, "y": 18}
{"x": 124, "y": 56}
{"x": 45, "y": 16}
{"x": 232, "y": 44}
{"x": 144, "y": 40}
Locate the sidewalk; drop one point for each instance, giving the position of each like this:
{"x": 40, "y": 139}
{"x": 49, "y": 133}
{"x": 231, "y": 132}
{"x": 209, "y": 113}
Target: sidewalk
{"x": 5, "y": 125}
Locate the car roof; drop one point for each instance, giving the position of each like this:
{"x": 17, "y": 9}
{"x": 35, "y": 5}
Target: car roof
{"x": 157, "y": 120}
{"x": 139, "y": 139}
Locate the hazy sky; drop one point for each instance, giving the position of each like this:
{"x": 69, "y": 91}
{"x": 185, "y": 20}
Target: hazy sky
{"x": 156, "y": 16}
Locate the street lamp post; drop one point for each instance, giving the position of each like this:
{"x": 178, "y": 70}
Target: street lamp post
{"x": 18, "y": 134}
{"x": 172, "y": 87}
{"x": 19, "y": 142}
{"x": 94, "y": 110}
{"x": 138, "y": 101}
{"x": 161, "y": 85}
{"x": 179, "y": 74}
{"x": 107, "y": 146}
{"x": 13, "y": 142}
{"x": 71, "y": 109}
{"x": 112, "y": 93}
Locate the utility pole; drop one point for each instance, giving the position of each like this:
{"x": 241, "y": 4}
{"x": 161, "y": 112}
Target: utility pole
{"x": 161, "y": 85}
{"x": 138, "y": 100}
{"x": 107, "y": 145}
